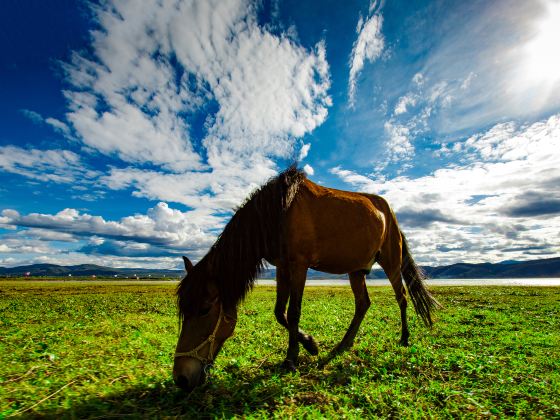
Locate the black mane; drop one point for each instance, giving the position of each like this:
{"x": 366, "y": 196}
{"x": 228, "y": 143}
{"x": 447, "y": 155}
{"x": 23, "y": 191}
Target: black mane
{"x": 235, "y": 260}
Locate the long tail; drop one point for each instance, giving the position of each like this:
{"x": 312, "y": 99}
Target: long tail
{"x": 414, "y": 276}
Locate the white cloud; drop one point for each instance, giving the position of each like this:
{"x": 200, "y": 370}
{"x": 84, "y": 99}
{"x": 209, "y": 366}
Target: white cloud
{"x": 33, "y": 245}
{"x": 503, "y": 192}
{"x": 16, "y": 244}
{"x": 397, "y": 147}
{"x": 55, "y": 256}
{"x": 304, "y": 151}
{"x": 47, "y": 235}
{"x": 161, "y": 225}
{"x": 367, "y": 47}
{"x": 418, "y": 79}
{"x": 158, "y": 68}
{"x": 468, "y": 80}
{"x": 59, "y": 126}
{"x": 62, "y": 166}
{"x": 309, "y": 169}
{"x": 398, "y": 143}
{"x": 404, "y": 102}
{"x": 403, "y": 127}
{"x": 35, "y": 117}
{"x": 196, "y": 98}
{"x": 158, "y": 65}
{"x": 218, "y": 191}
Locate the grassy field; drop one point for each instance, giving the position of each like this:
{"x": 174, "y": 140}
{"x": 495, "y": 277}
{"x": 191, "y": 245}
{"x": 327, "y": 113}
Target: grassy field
{"x": 79, "y": 350}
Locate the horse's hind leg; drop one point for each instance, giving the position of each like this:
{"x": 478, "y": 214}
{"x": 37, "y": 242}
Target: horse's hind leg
{"x": 362, "y": 303}
{"x": 390, "y": 261}
{"x": 282, "y": 295}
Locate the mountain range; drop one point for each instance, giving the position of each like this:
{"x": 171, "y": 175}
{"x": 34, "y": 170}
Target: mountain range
{"x": 549, "y": 267}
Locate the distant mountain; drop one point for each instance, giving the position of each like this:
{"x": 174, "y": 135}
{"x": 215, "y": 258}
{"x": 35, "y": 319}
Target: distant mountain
{"x": 84, "y": 270}
{"x": 549, "y": 267}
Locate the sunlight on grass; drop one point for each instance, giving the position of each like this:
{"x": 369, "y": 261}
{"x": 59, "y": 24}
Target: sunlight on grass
{"x": 87, "y": 351}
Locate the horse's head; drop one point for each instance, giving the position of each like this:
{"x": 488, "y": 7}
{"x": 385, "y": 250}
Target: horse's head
{"x": 206, "y": 324}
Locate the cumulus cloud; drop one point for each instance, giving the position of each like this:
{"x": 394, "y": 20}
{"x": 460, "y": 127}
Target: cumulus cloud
{"x": 496, "y": 201}
{"x": 308, "y": 169}
{"x": 194, "y": 102}
{"x": 162, "y": 226}
{"x": 18, "y": 247}
{"x": 195, "y": 97}
{"x": 159, "y": 65}
{"x": 156, "y": 239}
{"x": 218, "y": 191}
{"x": 367, "y": 47}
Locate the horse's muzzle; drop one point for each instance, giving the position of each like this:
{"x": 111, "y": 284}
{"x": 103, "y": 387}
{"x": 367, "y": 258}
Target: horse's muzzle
{"x": 189, "y": 379}
{"x": 183, "y": 382}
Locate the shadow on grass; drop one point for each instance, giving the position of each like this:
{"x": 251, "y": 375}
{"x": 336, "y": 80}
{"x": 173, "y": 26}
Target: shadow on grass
{"x": 245, "y": 391}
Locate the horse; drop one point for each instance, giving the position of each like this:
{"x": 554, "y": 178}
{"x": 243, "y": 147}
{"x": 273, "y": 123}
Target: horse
{"x": 294, "y": 224}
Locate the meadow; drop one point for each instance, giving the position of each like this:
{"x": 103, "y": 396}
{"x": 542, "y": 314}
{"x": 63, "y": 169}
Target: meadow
{"x": 82, "y": 350}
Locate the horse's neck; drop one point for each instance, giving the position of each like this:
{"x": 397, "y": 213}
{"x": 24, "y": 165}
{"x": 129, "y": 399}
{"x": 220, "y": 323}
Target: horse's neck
{"x": 208, "y": 262}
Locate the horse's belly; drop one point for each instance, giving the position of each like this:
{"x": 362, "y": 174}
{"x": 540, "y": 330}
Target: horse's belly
{"x": 336, "y": 236}
{"x": 349, "y": 257}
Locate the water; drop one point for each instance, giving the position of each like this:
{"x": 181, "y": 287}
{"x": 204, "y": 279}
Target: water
{"x": 437, "y": 282}
{"x": 554, "y": 282}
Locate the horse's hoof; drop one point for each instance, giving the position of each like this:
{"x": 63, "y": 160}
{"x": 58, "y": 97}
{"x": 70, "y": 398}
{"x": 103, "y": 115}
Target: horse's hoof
{"x": 403, "y": 343}
{"x": 288, "y": 365}
{"x": 341, "y": 348}
{"x": 311, "y": 345}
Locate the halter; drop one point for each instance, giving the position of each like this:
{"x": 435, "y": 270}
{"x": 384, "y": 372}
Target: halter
{"x": 210, "y": 340}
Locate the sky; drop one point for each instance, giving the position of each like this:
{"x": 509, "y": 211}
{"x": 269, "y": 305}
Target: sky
{"x": 131, "y": 130}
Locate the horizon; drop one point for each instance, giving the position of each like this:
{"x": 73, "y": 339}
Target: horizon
{"x": 129, "y": 134}
{"x": 269, "y": 267}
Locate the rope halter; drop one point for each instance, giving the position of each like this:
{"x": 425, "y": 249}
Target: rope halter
{"x": 210, "y": 340}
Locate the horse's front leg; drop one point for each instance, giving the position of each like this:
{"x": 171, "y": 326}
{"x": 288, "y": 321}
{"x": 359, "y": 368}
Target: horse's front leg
{"x": 297, "y": 285}
{"x": 282, "y": 296}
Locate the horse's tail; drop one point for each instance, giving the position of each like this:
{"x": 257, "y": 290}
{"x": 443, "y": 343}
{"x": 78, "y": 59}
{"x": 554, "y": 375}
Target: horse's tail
{"x": 414, "y": 276}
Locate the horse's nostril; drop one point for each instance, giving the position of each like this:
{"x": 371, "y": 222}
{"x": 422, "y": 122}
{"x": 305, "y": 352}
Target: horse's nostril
{"x": 182, "y": 382}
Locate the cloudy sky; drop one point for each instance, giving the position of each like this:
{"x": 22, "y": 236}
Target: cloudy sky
{"x": 129, "y": 130}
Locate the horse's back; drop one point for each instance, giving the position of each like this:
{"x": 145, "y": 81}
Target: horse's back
{"x": 335, "y": 231}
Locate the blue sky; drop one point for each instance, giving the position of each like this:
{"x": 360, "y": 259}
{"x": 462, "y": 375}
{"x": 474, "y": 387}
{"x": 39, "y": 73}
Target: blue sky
{"x": 130, "y": 130}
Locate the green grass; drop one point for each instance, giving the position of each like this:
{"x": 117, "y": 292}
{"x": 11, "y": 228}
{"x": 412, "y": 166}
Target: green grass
{"x": 80, "y": 350}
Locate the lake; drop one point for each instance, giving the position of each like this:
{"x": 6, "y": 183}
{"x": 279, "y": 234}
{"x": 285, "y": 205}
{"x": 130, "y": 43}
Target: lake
{"x": 555, "y": 282}
{"x": 437, "y": 282}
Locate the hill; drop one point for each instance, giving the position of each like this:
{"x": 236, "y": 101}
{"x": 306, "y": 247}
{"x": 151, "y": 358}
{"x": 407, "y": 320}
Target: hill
{"x": 84, "y": 270}
{"x": 549, "y": 267}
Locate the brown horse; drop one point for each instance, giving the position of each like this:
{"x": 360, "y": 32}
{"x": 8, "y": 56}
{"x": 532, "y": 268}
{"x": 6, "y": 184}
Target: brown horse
{"x": 293, "y": 224}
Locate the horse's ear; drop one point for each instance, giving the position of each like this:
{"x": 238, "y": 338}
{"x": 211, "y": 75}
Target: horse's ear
{"x": 188, "y": 264}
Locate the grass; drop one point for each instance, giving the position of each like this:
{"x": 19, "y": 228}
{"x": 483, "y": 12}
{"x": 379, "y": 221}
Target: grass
{"x": 79, "y": 350}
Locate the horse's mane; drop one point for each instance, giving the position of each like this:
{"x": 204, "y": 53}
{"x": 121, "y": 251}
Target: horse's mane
{"x": 236, "y": 258}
